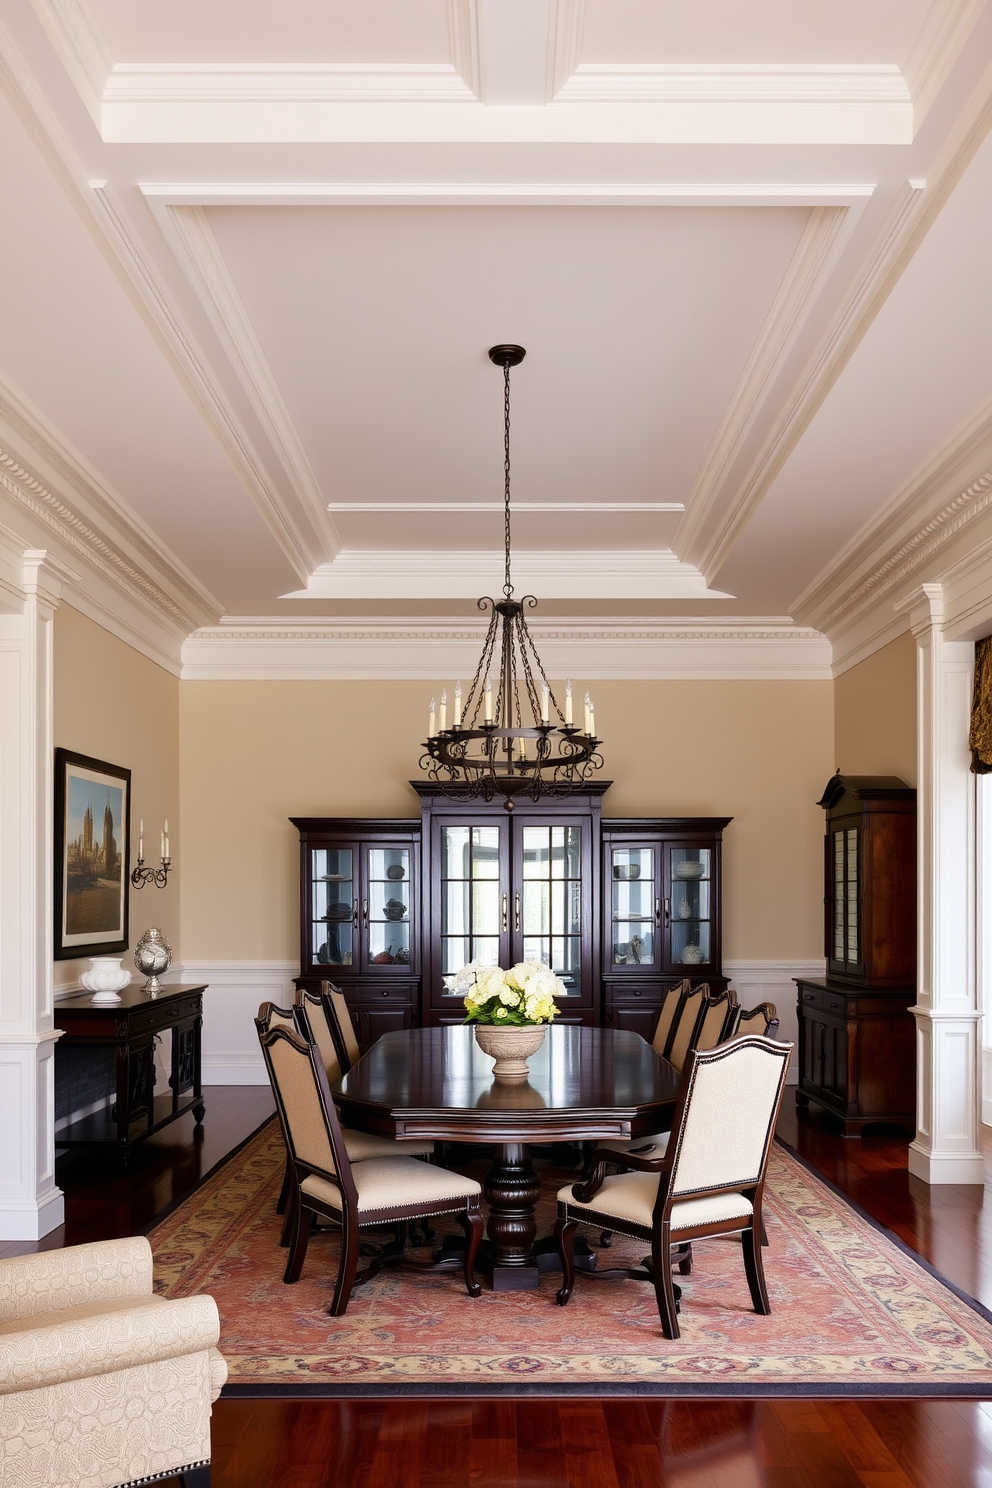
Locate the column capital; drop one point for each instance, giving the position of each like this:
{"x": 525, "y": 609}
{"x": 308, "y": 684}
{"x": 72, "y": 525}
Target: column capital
{"x": 45, "y": 576}
{"x": 925, "y": 607}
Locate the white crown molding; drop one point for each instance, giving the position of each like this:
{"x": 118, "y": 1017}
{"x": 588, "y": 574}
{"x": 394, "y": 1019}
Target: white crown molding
{"x": 911, "y": 215}
{"x": 304, "y": 103}
{"x": 822, "y": 241}
{"x": 274, "y": 650}
{"x": 897, "y": 548}
{"x": 72, "y": 29}
{"x": 372, "y": 573}
{"x": 502, "y": 193}
{"x": 130, "y": 261}
{"x": 935, "y": 48}
{"x": 198, "y": 254}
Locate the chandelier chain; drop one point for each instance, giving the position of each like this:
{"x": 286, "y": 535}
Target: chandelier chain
{"x": 507, "y": 585}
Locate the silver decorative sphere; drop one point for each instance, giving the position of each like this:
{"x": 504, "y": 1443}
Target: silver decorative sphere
{"x": 152, "y": 956}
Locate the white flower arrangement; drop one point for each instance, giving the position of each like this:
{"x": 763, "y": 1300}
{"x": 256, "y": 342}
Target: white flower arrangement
{"x": 520, "y": 997}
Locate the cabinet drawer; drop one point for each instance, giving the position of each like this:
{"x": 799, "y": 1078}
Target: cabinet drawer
{"x": 832, "y": 1003}
{"x": 163, "y": 1015}
{"x": 368, "y": 996}
{"x": 811, "y": 997}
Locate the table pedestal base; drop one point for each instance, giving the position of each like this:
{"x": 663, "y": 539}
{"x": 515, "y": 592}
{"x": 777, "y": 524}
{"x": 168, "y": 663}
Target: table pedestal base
{"x": 510, "y": 1253}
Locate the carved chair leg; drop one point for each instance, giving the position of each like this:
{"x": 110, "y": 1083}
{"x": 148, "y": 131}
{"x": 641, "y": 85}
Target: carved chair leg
{"x": 287, "y": 1186}
{"x": 755, "y": 1272}
{"x": 472, "y": 1223}
{"x": 682, "y": 1255}
{"x": 196, "y": 1477}
{"x": 764, "y": 1232}
{"x": 292, "y": 1206}
{"x": 664, "y": 1286}
{"x": 347, "y": 1266}
{"x": 565, "y": 1241}
{"x": 299, "y": 1239}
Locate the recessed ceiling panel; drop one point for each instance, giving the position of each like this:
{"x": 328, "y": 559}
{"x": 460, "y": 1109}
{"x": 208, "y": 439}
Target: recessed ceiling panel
{"x": 637, "y": 323}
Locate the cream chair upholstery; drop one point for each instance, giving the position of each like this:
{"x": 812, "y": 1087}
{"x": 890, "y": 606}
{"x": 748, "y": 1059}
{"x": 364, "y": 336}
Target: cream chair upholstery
{"x": 687, "y": 1017}
{"x": 102, "y": 1382}
{"x": 387, "y": 1191}
{"x": 709, "y": 1181}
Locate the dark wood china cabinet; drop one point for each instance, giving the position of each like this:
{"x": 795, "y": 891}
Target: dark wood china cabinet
{"x": 661, "y": 913}
{"x": 857, "y": 1037}
{"x": 622, "y": 910}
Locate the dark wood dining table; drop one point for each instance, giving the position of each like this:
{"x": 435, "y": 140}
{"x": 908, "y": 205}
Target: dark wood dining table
{"x": 584, "y": 1084}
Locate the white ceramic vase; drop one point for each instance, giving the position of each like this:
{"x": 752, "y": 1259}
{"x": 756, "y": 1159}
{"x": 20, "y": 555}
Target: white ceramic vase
{"x": 510, "y": 1047}
{"x": 105, "y": 978}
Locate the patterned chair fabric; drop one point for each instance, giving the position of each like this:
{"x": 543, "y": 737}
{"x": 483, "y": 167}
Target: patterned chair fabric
{"x": 385, "y": 1191}
{"x": 103, "y": 1383}
{"x": 708, "y": 1182}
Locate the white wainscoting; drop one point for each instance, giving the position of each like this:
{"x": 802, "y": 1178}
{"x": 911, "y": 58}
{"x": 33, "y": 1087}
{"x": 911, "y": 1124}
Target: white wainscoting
{"x": 231, "y": 1054}
{"x": 774, "y": 981}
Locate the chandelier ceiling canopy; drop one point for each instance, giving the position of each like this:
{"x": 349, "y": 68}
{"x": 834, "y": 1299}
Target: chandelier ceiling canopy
{"x": 509, "y": 736}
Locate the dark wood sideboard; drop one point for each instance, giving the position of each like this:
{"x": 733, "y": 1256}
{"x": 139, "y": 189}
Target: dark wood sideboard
{"x": 129, "y": 1029}
{"x": 857, "y": 1036}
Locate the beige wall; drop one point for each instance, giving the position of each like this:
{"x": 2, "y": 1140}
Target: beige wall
{"x": 254, "y": 753}
{"x": 113, "y": 703}
{"x": 875, "y": 714}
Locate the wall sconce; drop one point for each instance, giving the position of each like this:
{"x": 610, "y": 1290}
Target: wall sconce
{"x": 158, "y": 876}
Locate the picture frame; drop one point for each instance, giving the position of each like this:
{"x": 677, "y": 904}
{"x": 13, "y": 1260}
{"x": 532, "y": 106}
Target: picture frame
{"x": 92, "y": 855}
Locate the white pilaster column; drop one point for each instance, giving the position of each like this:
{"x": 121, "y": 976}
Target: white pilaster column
{"x": 947, "y": 1147}
{"x": 30, "y": 584}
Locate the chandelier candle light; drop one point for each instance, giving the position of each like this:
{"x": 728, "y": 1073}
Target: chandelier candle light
{"x": 510, "y": 737}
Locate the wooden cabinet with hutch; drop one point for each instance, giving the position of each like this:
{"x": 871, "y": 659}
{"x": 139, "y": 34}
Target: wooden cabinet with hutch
{"x": 507, "y": 886}
{"x": 360, "y": 917}
{"x": 661, "y": 913}
{"x": 857, "y": 1038}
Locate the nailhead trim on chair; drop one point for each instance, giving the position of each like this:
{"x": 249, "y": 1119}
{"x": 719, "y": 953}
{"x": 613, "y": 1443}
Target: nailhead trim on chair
{"x": 173, "y": 1472}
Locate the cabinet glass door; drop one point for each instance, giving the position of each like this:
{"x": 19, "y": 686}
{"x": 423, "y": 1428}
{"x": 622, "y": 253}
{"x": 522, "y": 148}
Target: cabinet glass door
{"x": 334, "y": 907}
{"x": 473, "y": 909}
{"x": 691, "y": 906}
{"x": 846, "y": 940}
{"x": 548, "y": 904}
{"x": 387, "y": 907}
{"x": 635, "y": 897}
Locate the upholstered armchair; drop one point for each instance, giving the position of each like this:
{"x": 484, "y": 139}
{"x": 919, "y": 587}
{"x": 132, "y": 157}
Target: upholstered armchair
{"x": 103, "y": 1383}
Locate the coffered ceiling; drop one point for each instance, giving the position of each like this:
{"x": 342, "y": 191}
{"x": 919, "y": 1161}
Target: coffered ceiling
{"x": 254, "y": 256}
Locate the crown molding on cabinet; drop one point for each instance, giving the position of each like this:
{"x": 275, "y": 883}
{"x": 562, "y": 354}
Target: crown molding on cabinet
{"x": 370, "y": 650}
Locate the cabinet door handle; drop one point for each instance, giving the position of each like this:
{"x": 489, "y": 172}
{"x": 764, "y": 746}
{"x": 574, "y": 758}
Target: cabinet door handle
{"x": 354, "y": 913}
{"x": 505, "y": 912}
{"x": 668, "y": 911}
{"x": 365, "y": 913}
{"x": 516, "y": 913}
{"x": 657, "y": 911}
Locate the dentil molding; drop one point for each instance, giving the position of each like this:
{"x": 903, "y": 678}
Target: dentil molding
{"x": 371, "y": 650}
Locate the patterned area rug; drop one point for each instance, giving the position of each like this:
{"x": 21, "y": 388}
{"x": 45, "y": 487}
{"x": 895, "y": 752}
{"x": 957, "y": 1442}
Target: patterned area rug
{"x": 852, "y": 1312}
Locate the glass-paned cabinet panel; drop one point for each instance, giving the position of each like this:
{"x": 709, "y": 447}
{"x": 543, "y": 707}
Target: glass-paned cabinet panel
{"x": 386, "y": 908}
{"x": 550, "y": 907}
{"x": 845, "y": 936}
{"x": 691, "y": 906}
{"x": 473, "y": 904}
{"x": 635, "y": 896}
{"x": 334, "y": 905}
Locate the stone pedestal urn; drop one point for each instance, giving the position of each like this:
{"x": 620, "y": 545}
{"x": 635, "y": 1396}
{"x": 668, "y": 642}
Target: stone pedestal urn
{"x": 510, "y": 1047}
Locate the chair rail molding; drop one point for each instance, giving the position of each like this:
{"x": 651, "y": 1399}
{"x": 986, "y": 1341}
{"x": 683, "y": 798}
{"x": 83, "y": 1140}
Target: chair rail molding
{"x": 775, "y": 981}
{"x": 947, "y": 1146}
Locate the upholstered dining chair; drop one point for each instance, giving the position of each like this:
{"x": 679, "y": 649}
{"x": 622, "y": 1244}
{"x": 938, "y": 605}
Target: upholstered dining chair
{"x": 347, "y": 1038}
{"x": 681, "y": 1037}
{"x": 361, "y": 1145}
{"x": 666, "y": 1017}
{"x": 102, "y": 1381}
{"x": 762, "y": 1019}
{"x": 382, "y": 1191}
{"x": 709, "y": 1182}
{"x": 717, "y": 1021}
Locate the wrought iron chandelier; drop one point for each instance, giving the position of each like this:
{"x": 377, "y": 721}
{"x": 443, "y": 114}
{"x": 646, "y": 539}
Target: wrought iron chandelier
{"x": 510, "y": 737}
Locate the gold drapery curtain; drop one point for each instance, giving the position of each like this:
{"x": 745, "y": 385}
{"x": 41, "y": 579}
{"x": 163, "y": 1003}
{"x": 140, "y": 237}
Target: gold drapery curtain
{"x": 980, "y": 733}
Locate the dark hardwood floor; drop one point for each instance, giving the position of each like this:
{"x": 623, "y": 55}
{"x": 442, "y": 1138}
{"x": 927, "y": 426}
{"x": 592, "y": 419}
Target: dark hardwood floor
{"x": 583, "y": 1443}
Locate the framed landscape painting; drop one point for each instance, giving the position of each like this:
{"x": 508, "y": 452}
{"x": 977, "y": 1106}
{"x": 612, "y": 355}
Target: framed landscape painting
{"x": 92, "y": 843}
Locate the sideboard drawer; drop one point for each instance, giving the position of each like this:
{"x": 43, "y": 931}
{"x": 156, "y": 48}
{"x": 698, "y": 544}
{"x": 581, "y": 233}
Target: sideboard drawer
{"x": 811, "y": 997}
